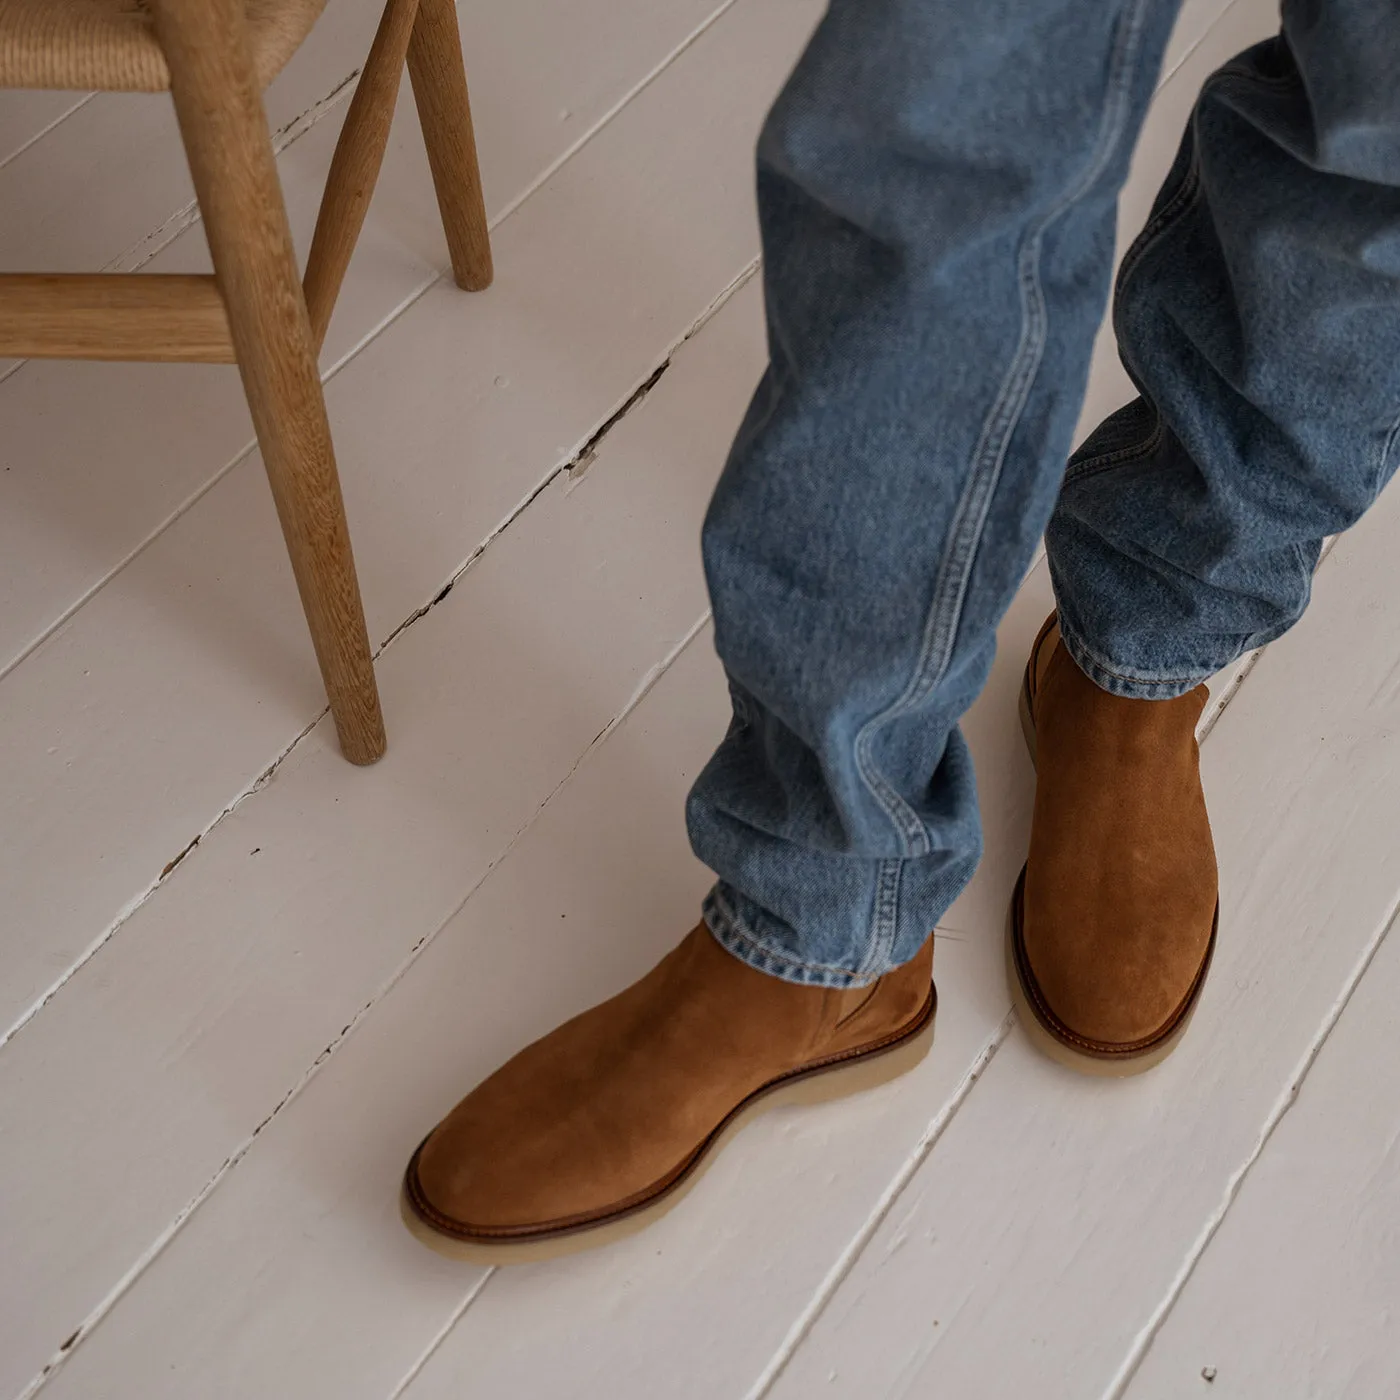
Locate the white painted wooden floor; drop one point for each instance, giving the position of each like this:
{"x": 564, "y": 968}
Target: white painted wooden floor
{"x": 239, "y": 977}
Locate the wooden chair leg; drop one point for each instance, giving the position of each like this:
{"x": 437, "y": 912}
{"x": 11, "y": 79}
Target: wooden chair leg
{"x": 226, "y": 138}
{"x": 440, "y": 90}
{"x": 355, "y": 165}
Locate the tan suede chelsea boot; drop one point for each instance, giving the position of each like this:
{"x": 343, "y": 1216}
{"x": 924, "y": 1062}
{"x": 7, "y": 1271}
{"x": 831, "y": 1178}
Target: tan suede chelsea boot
{"x": 603, "y": 1125}
{"x": 1114, "y": 917}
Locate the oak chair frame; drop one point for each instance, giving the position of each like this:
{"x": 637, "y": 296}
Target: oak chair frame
{"x": 255, "y": 310}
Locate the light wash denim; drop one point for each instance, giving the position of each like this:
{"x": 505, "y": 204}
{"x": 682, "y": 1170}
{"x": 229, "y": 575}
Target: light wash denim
{"x": 937, "y": 188}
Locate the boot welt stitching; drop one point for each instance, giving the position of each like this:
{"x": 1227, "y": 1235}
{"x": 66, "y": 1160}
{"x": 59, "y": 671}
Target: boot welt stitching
{"x": 1061, "y": 1032}
{"x": 571, "y": 1224}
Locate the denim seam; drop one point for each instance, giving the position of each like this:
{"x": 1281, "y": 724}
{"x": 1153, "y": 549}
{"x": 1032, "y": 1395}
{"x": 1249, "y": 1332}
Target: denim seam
{"x": 1093, "y": 466}
{"x": 1088, "y": 659}
{"x": 1391, "y": 439}
{"x": 1236, "y": 68}
{"x": 1157, "y": 228}
{"x": 737, "y": 930}
{"x": 1191, "y": 186}
{"x": 1300, "y": 551}
{"x": 886, "y": 920}
{"x": 970, "y": 516}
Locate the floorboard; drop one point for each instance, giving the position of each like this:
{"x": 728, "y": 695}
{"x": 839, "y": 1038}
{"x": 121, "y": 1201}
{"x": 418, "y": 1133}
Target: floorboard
{"x": 1297, "y": 1296}
{"x": 242, "y": 978}
{"x": 500, "y": 789}
{"x": 81, "y": 493}
{"x": 190, "y": 711}
{"x": 1032, "y": 1249}
{"x": 179, "y": 683}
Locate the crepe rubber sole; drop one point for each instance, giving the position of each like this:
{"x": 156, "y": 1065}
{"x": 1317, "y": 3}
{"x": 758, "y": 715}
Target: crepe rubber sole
{"x": 850, "y": 1074}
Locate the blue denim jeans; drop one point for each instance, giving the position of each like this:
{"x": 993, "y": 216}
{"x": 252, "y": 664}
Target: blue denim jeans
{"x": 937, "y": 188}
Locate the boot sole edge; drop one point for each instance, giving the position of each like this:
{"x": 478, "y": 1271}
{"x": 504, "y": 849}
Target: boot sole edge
{"x": 820, "y": 1084}
{"x": 1108, "y": 1065}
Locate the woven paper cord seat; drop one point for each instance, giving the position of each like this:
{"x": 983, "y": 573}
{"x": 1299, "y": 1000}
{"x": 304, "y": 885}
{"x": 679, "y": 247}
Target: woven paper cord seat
{"x": 110, "y": 45}
{"x": 255, "y": 309}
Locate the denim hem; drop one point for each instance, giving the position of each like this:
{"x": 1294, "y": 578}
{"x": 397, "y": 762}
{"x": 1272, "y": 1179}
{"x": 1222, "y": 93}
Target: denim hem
{"x": 735, "y": 937}
{"x": 1128, "y": 681}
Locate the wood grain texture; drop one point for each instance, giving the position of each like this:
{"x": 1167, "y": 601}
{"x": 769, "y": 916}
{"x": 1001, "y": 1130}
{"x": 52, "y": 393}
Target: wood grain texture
{"x": 504, "y": 687}
{"x": 219, "y": 105}
{"x": 355, "y": 167}
{"x": 987, "y": 1192}
{"x": 111, "y": 44}
{"x": 121, "y": 153}
{"x": 63, "y": 531}
{"x": 216, "y": 83}
{"x": 222, "y": 680}
{"x": 440, "y": 88}
{"x": 521, "y": 383}
{"x": 114, "y": 317}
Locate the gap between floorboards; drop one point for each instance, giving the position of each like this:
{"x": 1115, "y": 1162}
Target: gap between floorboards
{"x": 1142, "y": 1343}
{"x": 331, "y": 101}
{"x": 579, "y": 460}
{"x": 159, "y": 1244}
{"x": 849, "y": 1256}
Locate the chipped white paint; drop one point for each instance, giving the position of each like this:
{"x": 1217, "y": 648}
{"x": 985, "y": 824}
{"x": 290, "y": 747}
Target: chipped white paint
{"x": 203, "y": 1128}
{"x": 446, "y": 422}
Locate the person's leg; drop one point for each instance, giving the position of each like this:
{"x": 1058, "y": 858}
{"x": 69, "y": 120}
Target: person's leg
{"x": 937, "y": 187}
{"x": 1259, "y": 314}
